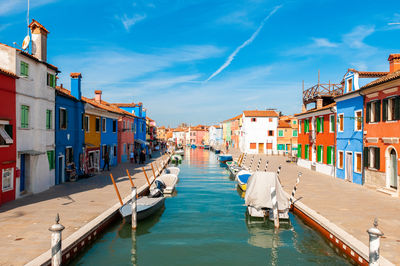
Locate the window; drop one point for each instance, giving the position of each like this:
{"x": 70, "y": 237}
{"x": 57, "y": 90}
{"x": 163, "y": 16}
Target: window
{"x": 83, "y": 121}
{"x": 270, "y": 119}
{"x": 103, "y": 125}
{"x": 373, "y": 112}
{"x": 24, "y": 70}
{"x": 103, "y": 150}
{"x": 124, "y": 148}
{"x": 280, "y": 133}
{"x": 306, "y": 125}
{"x": 115, "y": 149}
{"x": 320, "y": 124}
{"x": 132, "y": 126}
{"x": 320, "y": 153}
{"x": 51, "y": 159}
{"x": 349, "y": 85}
{"x": 306, "y": 152}
{"x": 114, "y": 126}
{"x": 332, "y": 123}
{"x": 340, "y": 162}
{"x": 24, "y": 116}
{"x": 358, "y": 121}
{"x": 87, "y": 123}
{"x": 69, "y": 155}
{"x": 253, "y": 146}
{"x": 358, "y": 162}
{"x": 51, "y": 80}
{"x": 6, "y": 133}
{"x": 300, "y": 126}
{"x": 281, "y": 147}
{"x": 63, "y": 118}
{"x": 7, "y": 177}
{"x": 294, "y": 122}
{"x": 341, "y": 122}
{"x": 48, "y": 119}
{"x": 270, "y": 133}
{"x": 97, "y": 124}
{"x": 299, "y": 150}
{"x": 253, "y": 119}
{"x": 372, "y": 157}
{"x": 294, "y": 132}
{"x": 330, "y": 155}
{"x": 391, "y": 109}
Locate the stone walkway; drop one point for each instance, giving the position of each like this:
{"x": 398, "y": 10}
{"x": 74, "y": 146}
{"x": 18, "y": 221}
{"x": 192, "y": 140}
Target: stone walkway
{"x": 351, "y": 207}
{"x": 24, "y": 223}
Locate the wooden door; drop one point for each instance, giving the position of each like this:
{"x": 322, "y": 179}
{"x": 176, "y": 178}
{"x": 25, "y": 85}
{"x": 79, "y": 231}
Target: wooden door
{"x": 260, "y": 147}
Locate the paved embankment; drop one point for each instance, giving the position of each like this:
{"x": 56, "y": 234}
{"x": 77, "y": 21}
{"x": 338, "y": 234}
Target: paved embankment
{"x": 349, "y": 206}
{"x": 24, "y": 223}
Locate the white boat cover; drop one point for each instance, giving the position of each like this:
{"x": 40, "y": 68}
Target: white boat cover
{"x": 169, "y": 180}
{"x": 258, "y": 192}
{"x": 172, "y": 170}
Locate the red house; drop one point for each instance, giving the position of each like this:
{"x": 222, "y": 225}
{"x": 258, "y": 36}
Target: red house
{"x": 126, "y": 136}
{"x": 8, "y": 144}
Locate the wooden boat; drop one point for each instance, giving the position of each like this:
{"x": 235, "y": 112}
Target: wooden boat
{"x": 223, "y": 158}
{"x": 146, "y": 206}
{"x": 242, "y": 178}
{"x": 169, "y": 180}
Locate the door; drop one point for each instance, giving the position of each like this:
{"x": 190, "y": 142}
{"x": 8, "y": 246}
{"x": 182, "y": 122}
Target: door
{"x": 260, "y": 147}
{"x": 314, "y": 153}
{"x": 60, "y": 173}
{"x": 349, "y": 166}
{"x": 393, "y": 169}
{"x": 22, "y": 174}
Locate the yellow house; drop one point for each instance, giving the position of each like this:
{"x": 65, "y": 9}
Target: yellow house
{"x": 287, "y": 135}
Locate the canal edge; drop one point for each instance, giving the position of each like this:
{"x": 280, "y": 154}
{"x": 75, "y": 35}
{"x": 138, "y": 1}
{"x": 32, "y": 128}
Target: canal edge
{"x": 338, "y": 238}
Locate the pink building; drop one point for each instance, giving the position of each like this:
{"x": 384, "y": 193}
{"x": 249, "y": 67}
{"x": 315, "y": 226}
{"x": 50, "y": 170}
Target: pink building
{"x": 126, "y": 132}
{"x": 197, "y": 135}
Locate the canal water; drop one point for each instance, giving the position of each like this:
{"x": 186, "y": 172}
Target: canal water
{"x": 206, "y": 224}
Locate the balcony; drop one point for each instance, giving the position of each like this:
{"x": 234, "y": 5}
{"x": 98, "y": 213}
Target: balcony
{"x": 319, "y": 91}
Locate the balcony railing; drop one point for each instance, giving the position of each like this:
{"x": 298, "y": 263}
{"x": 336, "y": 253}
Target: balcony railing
{"x": 322, "y": 90}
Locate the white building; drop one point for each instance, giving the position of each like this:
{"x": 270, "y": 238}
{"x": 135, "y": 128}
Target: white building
{"x": 215, "y": 133}
{"x": 259, "y": 132}
{"x": 35, "y": 103}
{"x": 179, "y": 136}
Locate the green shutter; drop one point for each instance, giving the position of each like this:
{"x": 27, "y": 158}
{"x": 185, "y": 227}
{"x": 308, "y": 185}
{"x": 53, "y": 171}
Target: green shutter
{"x": 329, "y": 155}
{"x": 377, "y": 158}
{"x": 319, "y": 154}
{"x": 299, "y": 150}
{"x": 51, "y": 159}
{"x": 365, "y": 155}
{"x": 322, "y": 124}
{"x": 378, "y": 111}
{"x": 294, "y": 132}
{"x": 384, "y": 109}
{"x": 24, "y": 116}
{"x": 318, "y": 125}
{"x": 48, "y": 119}
{"x": 332, "y": 118}
{"x": 306, "y": 151}
{"x": 368, "y": 110}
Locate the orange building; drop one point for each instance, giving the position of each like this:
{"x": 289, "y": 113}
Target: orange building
{"x": 382, "y": 129}
{"x": 287, "y": 135}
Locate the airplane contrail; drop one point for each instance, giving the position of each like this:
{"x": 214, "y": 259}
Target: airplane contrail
{"x": 247, "y": 42}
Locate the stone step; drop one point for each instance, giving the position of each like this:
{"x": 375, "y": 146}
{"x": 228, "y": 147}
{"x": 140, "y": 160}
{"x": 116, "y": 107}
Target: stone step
{"x": 389, "y": 191}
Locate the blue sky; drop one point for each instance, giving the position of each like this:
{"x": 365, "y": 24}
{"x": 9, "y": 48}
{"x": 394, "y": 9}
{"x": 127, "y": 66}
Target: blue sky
{"x": 206, "y": 61}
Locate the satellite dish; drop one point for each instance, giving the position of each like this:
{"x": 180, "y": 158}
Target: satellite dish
{"x": 26, "y": 41}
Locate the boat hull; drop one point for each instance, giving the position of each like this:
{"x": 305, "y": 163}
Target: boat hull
{"x": 143, "y": 211}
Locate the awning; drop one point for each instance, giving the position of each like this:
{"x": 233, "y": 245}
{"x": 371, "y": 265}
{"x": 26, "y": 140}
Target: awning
{"x": 142, "y": 142}
{"x": 5, "y": 136}
{"x": 31, "y": 152}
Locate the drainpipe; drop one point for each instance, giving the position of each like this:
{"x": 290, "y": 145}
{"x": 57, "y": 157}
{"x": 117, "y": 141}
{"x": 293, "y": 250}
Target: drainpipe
{"x": 335, "y": 142}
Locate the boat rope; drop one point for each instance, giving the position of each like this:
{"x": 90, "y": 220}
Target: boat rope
{"x": 258, "y": 165}
{"x": 294, "y": 189}
{"x": 266, "y": 166}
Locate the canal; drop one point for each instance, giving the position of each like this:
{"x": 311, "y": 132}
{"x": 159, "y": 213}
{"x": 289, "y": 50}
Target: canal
{"x": 206, "y": 224}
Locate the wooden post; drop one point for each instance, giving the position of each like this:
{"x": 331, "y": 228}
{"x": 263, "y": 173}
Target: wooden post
{"x": 130, "y": 178}
{"x": 116, "y": 190}
{"x": 145, "y": 174}
{"x": 154, "y": 173}
{"x": 133, "y": 208}
{"x": 275, "y": 207}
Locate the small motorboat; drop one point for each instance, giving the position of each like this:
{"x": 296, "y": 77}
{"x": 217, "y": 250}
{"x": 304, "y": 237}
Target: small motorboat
{"x": 176, "y": 158}
{"x": 172, "y": 170}
{"x": 180, "y": 152}
{"x": 258, "y": 196}
{"x": 206, "y": 147}
{"x": 193, "y": 146}
{"x": 233, "y": 168}
{"x": 217, "y": 151}
{"x": 242, "y": 177}
{"x": 145, "y": 206}
{"x": 223, "y": 158}
{"x": 169, "y": 181}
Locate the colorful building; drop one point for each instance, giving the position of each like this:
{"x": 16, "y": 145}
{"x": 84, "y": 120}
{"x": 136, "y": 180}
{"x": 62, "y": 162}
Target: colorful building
{"x": 349, "y": 134}
{"x": 8, "y": 140}
{"x": 287, "y": 135}
{"x": 381, "y": 129}
{"x": 69, "y": 131}
{"x": 215, "y": 135}
{"x": 226, "y": 132}
{"x": 35, "y": 103}
{"x": 236, "y": 124}
{"x": 126, "y": 136}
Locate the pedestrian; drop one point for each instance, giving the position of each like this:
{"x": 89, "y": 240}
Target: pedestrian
{"x": 143, "y": 156}
{"x": 227, "y": 146}
{"x": 106, "y": 159}
{"x": 132, "y": 156}
{"x": 136, "y": 156}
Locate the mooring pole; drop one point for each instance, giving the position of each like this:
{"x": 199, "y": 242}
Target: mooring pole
{"x": 275, "y": 207}
{"x": 145, "y": 175}
{"x": 130, "y": 178}
{"x": 56, "y": 229}
{"x": 266, "y": 166}
{"x": 154, "y": 173}
{"x": 278, "y": 172}
{"x": 294, "y": 189}
{"x": 116, "y": 190}
{"x": 258, "y": 165}
{"x": 374, "y": 243}
{"x": 133, "y": 193}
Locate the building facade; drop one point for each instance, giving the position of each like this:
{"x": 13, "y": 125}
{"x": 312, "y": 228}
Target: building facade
{"x": 287, "y": 135}
{"x": 126, "y": 136}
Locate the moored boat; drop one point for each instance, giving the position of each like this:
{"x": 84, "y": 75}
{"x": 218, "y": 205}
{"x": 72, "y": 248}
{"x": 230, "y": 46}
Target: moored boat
{"x": 223, "y": 158}
{"x": 176, "y": 158}
{"x": 193, "y": 146}
{"x": 217, "y": 151}
{"x": 180, "y": 152}
{"x": 169, "y": 180}
{"x": 145, "y": 207}
{"x": 242, "y": 177}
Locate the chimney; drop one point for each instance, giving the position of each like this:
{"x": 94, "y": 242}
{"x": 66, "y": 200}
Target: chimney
{"x": 394, "y": 62}
{"x": 39, "y": 40}
{"x": 320, "y": 103}
{"x": 97, "y": 96}
{"x": 76, "y": 85}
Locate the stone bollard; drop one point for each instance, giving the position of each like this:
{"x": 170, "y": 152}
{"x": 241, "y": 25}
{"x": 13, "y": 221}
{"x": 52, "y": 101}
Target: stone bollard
{"x": 275, "y": 207}
{"x": 56, "y": 230}
{"x": 134, "y": 222}
{"x": 374, "y": 243}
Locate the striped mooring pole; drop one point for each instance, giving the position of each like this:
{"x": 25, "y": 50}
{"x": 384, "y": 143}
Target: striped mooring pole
{"x": 243, "y": 160}
{"x": 134, "y": 222}
{"x": 258, "y": 165}
{"x": 275, "y": 207}
{"x": 251, "y": 162}
{"x": 294, "y": 189}
{"x": 56, "y": 230}
{"x": 266, "y": 166}
{"x": 374, "y": 243}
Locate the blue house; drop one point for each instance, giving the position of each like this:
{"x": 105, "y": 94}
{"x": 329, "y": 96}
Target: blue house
{"x": 69, "y": 133}
{"x": 140, "y": 123}
{"x": 349, "y": 134}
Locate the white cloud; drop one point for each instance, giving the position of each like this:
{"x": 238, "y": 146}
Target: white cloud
{"x": 236, "y": 17}
{"x": 8, "y": 7}
{"x": 323, "y": 42}
{"x": 128, "y": 22}
{"x": 355, "y": 38}
{"x": 243, "y": 45}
